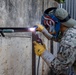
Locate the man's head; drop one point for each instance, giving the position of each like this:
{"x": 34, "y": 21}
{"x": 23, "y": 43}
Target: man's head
{"x": 50, "y": 22}
{"x": 56, "y": 20}
{"x": 64, "y": 17}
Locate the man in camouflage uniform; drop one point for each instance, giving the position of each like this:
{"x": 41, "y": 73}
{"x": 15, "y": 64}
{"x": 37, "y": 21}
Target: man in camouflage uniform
{"x": 65, "y": 35}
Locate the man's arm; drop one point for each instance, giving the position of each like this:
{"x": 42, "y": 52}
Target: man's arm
{"x": 42, "y": 29}
{"x": 60, "y": 64}
{"x": 47, "y": 34}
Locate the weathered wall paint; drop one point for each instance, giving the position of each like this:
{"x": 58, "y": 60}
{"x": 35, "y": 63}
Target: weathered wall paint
{"x": 14, "y": 59}
{"x": 22, "y": 12}
{"x": 15, "y": 55}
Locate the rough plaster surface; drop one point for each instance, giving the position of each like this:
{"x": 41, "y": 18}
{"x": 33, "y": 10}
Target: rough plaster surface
{"x": 15, "y": 52}
{"x": 15, "y": 56}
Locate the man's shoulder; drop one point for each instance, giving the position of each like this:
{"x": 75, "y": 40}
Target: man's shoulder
{"x": 70, "y": 32}
{"x": 69, "y": 37}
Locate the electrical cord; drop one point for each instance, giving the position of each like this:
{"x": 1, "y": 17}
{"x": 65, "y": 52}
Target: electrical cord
{"x": 39, "y": 41}
{"x": 38, "y": 66}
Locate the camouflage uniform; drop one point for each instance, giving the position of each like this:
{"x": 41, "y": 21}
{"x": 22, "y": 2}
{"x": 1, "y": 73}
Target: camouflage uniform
{"x": 66, "y": 54}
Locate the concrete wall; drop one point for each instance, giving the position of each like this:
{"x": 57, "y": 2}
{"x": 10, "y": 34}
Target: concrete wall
{"x": 16, "y": 55}
{"x": 22, "y": 13}
{"x": 16, "y": 49}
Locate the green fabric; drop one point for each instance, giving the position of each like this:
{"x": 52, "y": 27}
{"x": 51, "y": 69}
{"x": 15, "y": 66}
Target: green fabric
{"x": 60, "y": 1}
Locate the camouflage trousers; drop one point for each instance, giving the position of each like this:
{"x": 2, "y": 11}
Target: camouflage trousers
{"x": 70, "y": 71}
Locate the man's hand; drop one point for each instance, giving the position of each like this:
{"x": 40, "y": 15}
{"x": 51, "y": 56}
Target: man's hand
{"x": 40, "y": 27}
{"x": 39, "y": 48}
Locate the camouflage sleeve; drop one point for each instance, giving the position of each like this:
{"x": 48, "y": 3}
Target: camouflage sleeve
{"x": 66, "y": 54}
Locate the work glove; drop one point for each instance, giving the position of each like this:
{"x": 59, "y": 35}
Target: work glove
{"x": 39, "y": 48}
{"x": 39, "y": 27}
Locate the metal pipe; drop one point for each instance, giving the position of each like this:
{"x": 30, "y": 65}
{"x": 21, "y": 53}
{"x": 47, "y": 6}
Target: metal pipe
{"x": 14, "y": 29}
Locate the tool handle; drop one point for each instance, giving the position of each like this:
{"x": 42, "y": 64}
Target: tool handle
{"x": 39, "y": 40}
{"x": 35, "y": 26}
